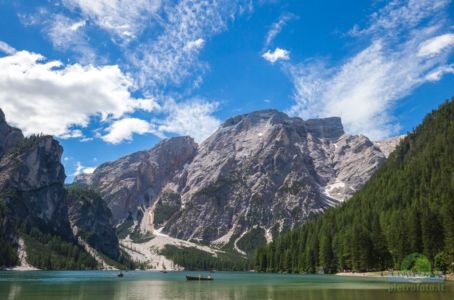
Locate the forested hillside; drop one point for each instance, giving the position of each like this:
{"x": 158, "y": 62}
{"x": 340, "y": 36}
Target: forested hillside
{"x": 407, "y": 206}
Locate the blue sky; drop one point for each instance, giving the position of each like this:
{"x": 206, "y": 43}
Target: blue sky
{"x": 110, "y": 77}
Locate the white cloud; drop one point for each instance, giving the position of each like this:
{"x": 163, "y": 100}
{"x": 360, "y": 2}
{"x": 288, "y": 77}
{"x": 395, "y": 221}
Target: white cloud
{"x": 276, "y": 28}
{"x": 47, "y": 96}
{"x": 400, "y": 15}
{"x": 172, "y": 56}
{"x": 364, "y": 88}
{"x": 6, "y": 48}
{"x": 77, "y": 25}
{"x": 67, "y": 35}
{"x": 124, "y": 129}
{"x": 197, "y": 44}
{"x": 436, "y": 45}
{"x": 277, "y": 54}
{"x": 439, "y": 72}
{"x": 80, "y": 169}
{"x": 193, "y": 118}
{"x": 123, "y": 18}
{"x": 166, "y": 55}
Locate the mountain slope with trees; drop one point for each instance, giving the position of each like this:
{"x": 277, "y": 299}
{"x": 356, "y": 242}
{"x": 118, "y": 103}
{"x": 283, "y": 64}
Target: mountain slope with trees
{"x": 407, "y": 206}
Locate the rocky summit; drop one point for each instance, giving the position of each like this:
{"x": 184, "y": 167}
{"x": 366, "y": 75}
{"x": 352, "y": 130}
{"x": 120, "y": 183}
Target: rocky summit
{"x": 262, "y": 171}
{"x": 135, "y": 180}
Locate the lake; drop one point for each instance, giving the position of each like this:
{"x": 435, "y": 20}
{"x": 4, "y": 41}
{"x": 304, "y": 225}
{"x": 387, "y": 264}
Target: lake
{"x": 137, "y": 285}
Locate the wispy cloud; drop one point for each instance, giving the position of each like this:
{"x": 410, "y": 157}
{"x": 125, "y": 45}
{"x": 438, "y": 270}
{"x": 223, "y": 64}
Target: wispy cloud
{"x": 6, "y": 48}
{"x": 407, "y": 46}
{"x": 150, "y": 64}
{"x": 193, "y": 117}
{"x": 125, "y": 19}
{"x": 277, "y": 27}
{"x": 67, "y": 34}
{"x": 277, "y": 54}
{"x": 436, "y": 45}
{"x": 173, "y": 55}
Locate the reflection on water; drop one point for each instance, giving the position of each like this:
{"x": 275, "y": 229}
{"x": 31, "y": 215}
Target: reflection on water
{"x": 153, "y": 285}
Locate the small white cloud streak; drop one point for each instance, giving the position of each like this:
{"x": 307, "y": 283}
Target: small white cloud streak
{"x": 364, "y": 89}
{"x": 6, "y": 48}
{"x": 439, "y": 72}
{"x": 277, "y": 54}
{"x": 77, "y": 25}
{"x": 197, "y": 44}
{"x": 276, "y": 28}
{"x": 49, "y": 97}
{"x": 436, "y": 45}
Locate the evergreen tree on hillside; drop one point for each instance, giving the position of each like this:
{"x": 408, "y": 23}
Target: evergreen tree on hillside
{"x": 406, "y": 207}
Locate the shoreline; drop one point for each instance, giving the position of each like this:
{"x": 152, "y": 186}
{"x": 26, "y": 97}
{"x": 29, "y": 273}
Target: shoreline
{"x": 448, "y": 277}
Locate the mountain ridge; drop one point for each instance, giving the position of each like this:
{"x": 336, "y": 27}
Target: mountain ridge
{"x": 406, "y": 207}
{"x": 237, "y": 174}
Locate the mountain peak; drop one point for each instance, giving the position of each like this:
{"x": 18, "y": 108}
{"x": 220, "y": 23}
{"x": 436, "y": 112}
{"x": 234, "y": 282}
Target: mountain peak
{"x": 9, "y": 136}
{"x": 325, "y": 127}
{"x": 256, "y": 116}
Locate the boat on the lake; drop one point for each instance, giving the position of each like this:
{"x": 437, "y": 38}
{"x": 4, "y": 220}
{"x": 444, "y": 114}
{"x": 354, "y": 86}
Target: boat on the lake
{"x": 199, "y": 277}
{"x": 120, "y": 274}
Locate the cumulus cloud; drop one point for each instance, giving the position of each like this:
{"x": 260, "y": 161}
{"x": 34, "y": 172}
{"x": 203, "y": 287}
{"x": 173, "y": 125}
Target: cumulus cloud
{"x": 363, "y": 89}
{"x": 277, "y": 54}
{"x": 50, "y": 97}
{"x": 6, "y": 48}
{"x": 123, "y": 130}
{"x": 167, "y": 55}
{"x": 80, "y": 169}
{"x": 123, "y": 18}
{"x": 193, "y": 117}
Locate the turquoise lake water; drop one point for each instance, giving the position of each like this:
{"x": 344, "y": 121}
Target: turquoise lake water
{"x": 137, "y": 285}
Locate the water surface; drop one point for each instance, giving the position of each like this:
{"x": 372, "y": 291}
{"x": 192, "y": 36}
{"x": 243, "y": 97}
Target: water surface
{"x": 103, "y": 285}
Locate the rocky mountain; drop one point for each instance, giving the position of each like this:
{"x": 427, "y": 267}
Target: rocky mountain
{"x": 406, "y": 208}
{"x": 9, "y": 136}
{"x": 32, "y": 181}
{"x": 137, "y": 179}
{"x": 91, "y": 221}
{"x": 270, "y": 171}
{"x": 263, "y": 170}
{"x": 33, "y": 207}
{"x": 387, "y": 146}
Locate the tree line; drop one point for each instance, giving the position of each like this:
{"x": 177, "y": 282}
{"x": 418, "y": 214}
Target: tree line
{"x": 407, "y": 206}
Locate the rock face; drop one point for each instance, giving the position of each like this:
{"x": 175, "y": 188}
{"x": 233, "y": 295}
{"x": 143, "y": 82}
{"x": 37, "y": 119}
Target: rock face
{"x": 33, "y": 198}
{"x": 261, "y": 170}
{"x": 9, "y": 136}
{"x": 267, "y": 170}
{"x": 91, "y": 220}
{"x": 137, "y": 179}
{"x": 32, "y": 180}
{"x": 388, "y": 146}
